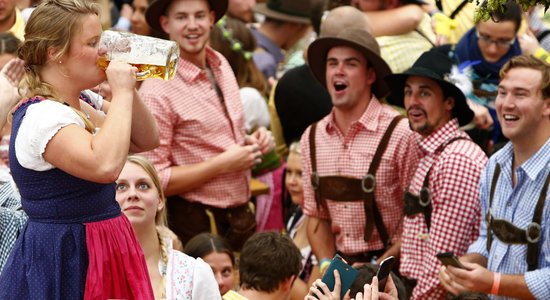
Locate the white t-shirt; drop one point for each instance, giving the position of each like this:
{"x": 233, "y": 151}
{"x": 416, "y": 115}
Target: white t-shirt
{"x": 256, "y": 113}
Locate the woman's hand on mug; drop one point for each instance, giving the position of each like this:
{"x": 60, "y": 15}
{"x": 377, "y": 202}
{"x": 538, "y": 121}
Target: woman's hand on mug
{"x": 121, "y": 75}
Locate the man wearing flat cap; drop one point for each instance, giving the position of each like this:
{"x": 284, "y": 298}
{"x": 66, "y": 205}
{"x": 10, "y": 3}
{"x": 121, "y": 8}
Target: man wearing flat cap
{"x": 442, "y": 207}
{"x": 204, "y": 158}
{"x": 358, "y": 160}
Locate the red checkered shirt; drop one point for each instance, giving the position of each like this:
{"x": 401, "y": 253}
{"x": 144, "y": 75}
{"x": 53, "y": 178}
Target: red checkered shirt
{"x": 351, "y": 155}
{"x": 194, "y": 127}
{"x": 454, "y": 188}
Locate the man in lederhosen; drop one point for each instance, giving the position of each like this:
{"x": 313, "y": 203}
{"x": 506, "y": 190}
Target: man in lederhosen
{"x": 511, "y": 257}
{"x": 442, "y": 210}
{"x": 358, "y": 160}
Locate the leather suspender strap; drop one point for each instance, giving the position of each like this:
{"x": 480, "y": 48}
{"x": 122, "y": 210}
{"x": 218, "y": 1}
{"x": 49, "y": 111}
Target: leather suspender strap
{"x": 314, "y": 175}
{"x": 422, "y": 203}
{"x": 425, "y": 193}
{"x": 532, "y": 233}
{"x": 489, "y": 217}
{"x": 428, "y": 210}
{"x": 533, "y": 247}
{"x": 369, "y": 187}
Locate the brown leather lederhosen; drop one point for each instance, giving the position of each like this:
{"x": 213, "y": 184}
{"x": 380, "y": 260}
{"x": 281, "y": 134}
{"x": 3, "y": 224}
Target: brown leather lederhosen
{"x": 342, "y": 188}
{"x": 422, "y": 203}
{"x": 510, "y": 234}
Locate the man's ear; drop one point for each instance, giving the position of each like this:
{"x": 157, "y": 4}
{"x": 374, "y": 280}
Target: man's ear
{"x": 163, "y": 21}
{"x": 212, "y": 18}
{"x": 546, "y": 107}
{"x": 371, "y": 76}
{"x": 287, "y": 283}
{"x": 449, "y": 104}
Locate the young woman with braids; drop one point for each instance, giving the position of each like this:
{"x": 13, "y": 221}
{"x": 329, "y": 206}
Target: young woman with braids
{"x": 65, "y": 154}
{"x": 174, "y": 275}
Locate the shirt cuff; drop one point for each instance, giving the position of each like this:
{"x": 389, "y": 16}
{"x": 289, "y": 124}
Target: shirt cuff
{"x": 538, "y": 282}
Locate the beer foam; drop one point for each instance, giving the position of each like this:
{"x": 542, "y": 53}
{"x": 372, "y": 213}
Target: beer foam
{"x": 156, "y": 59}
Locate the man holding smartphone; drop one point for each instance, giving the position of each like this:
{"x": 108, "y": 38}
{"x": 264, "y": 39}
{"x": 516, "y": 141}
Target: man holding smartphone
{"x": 442, "y": 208}
{"x": 511, "y": 257}
{"x": 359, "y": 158}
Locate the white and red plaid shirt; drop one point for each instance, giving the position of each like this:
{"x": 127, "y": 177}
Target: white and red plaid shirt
{"x": 194, "y": 127}
{"x": 454, "y": 189}
{"x": 351, "y": 155}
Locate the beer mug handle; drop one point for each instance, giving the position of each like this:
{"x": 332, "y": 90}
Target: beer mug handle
{"x": 142, "y": 75}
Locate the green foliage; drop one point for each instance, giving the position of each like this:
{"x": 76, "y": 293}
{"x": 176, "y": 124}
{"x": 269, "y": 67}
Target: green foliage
{"x": 487, "y": 7}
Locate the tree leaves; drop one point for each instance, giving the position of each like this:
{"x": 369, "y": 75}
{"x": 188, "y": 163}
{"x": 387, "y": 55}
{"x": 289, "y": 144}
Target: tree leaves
{"x": 487, "y": 7}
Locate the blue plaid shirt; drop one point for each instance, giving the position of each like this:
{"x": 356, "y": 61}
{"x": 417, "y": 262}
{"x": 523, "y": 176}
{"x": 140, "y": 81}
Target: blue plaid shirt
{"x": 517, "y": 205}
{"x": 12, "y": 220}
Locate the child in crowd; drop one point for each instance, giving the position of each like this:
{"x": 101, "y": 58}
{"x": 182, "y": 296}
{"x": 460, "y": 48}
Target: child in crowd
{"x": 297, "y": 224}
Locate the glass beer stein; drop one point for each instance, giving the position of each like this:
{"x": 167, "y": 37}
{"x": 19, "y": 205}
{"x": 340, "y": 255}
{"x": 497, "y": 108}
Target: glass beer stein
{"x": 154, "y": 58}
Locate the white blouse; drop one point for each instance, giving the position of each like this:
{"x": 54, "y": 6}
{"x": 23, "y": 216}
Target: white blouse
{"x": 40, "y": 123}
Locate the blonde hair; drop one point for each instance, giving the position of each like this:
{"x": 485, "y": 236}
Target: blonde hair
{"x": 51, "y": 26}
{"x": 295, "y": 148}
{"x": 160, "y": 217}
{"x": 530, "y": 62}
{"x": 147, "y": 166}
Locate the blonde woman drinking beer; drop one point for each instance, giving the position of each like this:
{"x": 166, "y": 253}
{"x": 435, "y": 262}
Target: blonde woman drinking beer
{"x": 65, "y": 155}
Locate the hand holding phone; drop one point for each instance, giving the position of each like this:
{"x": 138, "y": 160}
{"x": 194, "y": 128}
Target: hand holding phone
{"x": 347, "y": 275}
{"x": 449, "y": 259}
{"x": 384, "y": 271}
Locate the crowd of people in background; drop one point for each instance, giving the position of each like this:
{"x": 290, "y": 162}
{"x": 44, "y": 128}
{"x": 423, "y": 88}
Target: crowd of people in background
{"x": 293, "y": 134}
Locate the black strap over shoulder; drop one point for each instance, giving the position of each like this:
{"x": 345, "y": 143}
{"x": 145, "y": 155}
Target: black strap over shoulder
{"x": 489, "y": 217}
{"x": 543, "y": 34}
{"x": 369, "y": 190}
{"x": 422, "y": 203}
{"x": 314, "y": 176}
{"x": 455, "y": 12}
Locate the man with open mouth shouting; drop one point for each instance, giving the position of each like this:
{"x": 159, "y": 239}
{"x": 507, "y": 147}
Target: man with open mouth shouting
{"x": 357, "y": 160}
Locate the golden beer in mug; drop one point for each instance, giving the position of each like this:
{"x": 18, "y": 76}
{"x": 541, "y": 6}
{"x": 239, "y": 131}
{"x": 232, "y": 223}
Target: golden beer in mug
{"x": 154, "y": 58}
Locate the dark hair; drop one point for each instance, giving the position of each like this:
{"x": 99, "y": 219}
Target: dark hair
{"x": 316, "y": 16}
{"x": 337, "y": 3}
{"x": 205, "y": 243}
{"x": 236, "y": 43}
{"x": 509, "y": 11}
{"x": 365, "y": 275}
{"x": 267, "y": 259}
